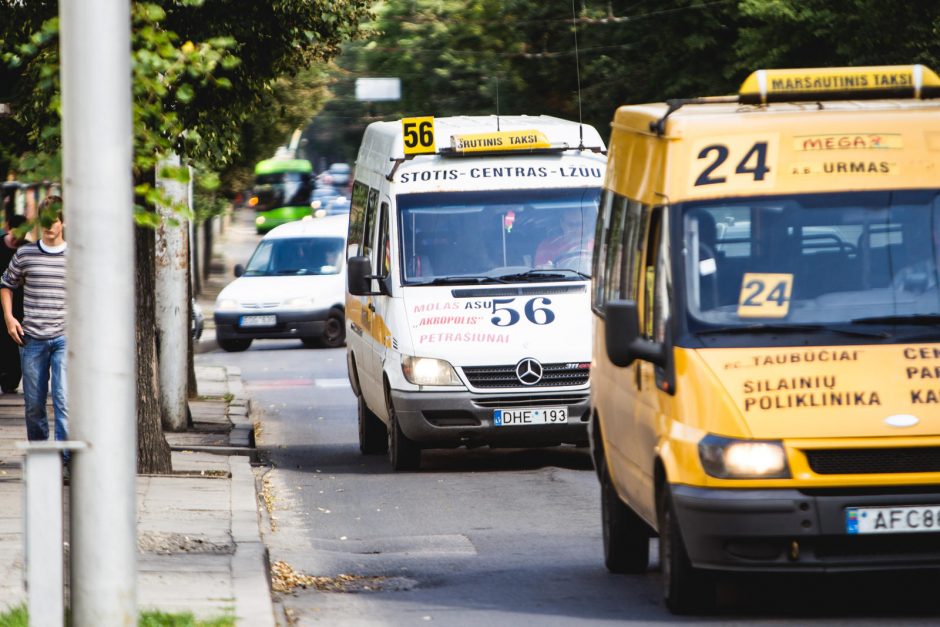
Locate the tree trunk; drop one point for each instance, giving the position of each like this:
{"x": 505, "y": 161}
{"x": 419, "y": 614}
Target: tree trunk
{"x": 153, "y": 452}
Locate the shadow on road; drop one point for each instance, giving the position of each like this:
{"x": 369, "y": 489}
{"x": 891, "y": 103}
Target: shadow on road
{"x": 346, "y": 459}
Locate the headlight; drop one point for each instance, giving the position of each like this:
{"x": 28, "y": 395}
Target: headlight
{"x": 315, "y": 204}
{"x": 259, "y": 220}
{"x": 301, "y": 301}
{"x": 428, "y": 371}
{"x": 743, "y": 459}
{"x": 226, "y": 304}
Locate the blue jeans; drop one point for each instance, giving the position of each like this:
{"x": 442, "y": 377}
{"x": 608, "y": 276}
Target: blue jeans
{"x": 39, "y": 359}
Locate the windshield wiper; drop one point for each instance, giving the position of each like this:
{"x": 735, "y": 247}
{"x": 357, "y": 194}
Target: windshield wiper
{"x": 292, "y": 271}
{"x": 915, "y": 319}
{"x": 451, "y": 280}
{"x": 764, "y": 327}
{"x": 544, "y": 274}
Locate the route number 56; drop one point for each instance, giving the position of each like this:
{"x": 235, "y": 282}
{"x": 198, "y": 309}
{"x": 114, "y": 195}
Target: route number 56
{"x": 418, "y": 135}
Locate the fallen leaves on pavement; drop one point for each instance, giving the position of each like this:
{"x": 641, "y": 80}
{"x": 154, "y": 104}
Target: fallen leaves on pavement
{"x": 285, "y": 579}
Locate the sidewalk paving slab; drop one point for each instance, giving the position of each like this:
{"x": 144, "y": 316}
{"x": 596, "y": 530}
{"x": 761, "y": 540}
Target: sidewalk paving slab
{"x": 199, "y": 544}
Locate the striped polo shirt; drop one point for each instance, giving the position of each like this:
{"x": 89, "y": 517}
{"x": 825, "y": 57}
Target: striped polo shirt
{"x": 41, "y": 272}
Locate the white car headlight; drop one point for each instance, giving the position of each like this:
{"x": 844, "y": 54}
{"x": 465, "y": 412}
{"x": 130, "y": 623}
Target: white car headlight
{"x": 428, "y": 371}
{"x": 300, "y": 301}
{"x": 726, "y": 458}
{"x": 226, "y": 304}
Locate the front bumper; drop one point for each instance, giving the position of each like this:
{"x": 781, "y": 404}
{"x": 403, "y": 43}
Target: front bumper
{"x": 289, "y": 324}
{"x": 798, "y": 530}
{"x": 451, "y": 419}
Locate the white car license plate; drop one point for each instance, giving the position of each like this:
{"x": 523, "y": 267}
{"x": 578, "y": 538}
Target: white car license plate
{"x": 258, "y": 321}
{"x": 905, "y": 519}
{"x": 530, "y": 416}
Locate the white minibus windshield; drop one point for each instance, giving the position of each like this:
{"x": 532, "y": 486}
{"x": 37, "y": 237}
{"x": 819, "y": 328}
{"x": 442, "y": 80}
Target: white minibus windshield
{"x": 534, "y": 235}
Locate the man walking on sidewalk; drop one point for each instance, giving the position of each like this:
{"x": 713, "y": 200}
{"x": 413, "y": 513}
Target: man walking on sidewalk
{"x": 10, "y": 372}
{"x": 40, "y": 269}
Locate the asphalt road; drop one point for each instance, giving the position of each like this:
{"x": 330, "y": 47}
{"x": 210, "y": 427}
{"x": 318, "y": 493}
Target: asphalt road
{"x": 500, "y": 537}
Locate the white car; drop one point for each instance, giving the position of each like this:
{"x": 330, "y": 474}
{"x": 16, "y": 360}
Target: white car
{"x": 293, "y": 287}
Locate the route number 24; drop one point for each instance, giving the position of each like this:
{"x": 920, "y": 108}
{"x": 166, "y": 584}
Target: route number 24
{"x": 754, "y": 163}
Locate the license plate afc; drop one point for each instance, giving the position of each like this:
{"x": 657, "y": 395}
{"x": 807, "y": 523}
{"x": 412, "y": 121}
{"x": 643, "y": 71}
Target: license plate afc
{"x": 258, "y": 321}
{"x": 525, "y": 416}
{"x": 901, "y": 519}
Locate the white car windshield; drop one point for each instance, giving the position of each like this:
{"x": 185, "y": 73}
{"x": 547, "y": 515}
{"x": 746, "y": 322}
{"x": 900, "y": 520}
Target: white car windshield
{"x": 296, "y": 256}
{"x": 860, "y": 257}
{"x": 542, "y": 234}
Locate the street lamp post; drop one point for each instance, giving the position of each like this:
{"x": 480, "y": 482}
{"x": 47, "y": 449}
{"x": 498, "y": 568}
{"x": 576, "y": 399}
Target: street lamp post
{"x": 97, "y": 140}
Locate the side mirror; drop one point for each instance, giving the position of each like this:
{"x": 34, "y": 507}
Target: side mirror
{"x": 359, "y": 276}
{"x": 239, "y": 270}
{"x": 622, "y": 336}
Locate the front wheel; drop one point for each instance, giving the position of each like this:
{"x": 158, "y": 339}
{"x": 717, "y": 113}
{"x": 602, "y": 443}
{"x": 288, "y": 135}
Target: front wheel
{"x": 686, "y": 589}
{"x": 334, "y": 333}
{"x": 234, "y": 346}
{"x": 373, "y": 439}
{"x": 626, "y": 536}
{"x": 403, "y": 453}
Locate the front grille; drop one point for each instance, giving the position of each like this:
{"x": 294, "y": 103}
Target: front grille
{"x": 505, "y": 376}
{"x": 265, "y": 305}
{"x": 541, "y": 400}
{"x": 868, "y": 461}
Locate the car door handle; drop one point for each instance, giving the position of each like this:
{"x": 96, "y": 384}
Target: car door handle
{"x": 371, "y": 307}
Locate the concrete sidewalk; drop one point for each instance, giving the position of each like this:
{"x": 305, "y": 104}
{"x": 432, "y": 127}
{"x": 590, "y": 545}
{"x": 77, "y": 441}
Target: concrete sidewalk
{"x": 199, "y": 545}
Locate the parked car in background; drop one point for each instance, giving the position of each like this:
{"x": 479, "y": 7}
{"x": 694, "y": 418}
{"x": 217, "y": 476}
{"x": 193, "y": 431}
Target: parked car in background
{"x": 338, "y": 205}
{"x": 322, "y": 196}
{"x": 197, "y": 321}
{"x": 293, "y": 287}
{"x": 341, "y": 174}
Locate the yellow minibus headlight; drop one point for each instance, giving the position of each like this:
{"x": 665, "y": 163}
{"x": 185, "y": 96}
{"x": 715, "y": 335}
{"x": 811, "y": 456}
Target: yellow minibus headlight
{"x": 727, "y": 458}
{"x": 428, "y": 371}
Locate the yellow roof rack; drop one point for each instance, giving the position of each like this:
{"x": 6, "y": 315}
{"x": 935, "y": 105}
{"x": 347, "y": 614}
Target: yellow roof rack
{"x": 840, "y": 83}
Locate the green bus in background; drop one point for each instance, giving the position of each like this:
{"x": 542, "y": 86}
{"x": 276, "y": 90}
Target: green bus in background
{"x": 282, "y": 192}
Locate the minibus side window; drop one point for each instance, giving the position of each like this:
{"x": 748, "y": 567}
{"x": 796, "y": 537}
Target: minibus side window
{"x": 656, "y": 279}
{"x": 600, "y": 248}
{"x": 369, "y": 230}
{"x": 385, "y": 246}
{"x": 636, "y": 219}
{"x": 357, "y": 217}
{"x": 663, "y": 285}
{"x": 613, "y": 275}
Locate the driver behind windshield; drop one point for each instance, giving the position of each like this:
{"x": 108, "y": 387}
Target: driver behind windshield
{"x": 566, "y": 243}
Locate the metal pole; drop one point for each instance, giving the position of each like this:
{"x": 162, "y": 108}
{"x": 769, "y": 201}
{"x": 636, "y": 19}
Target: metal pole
{"x": 97, "y": 138}
{"x": 42, "y": 479}
{"x": 172, "y": 304}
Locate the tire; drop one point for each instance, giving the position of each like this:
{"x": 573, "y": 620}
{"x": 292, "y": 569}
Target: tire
{"x": 686, "y": 589}
{"x": 373, "y": 436}
{"x": 626, "y": 536}
{"x": 334, "y": 333}
{"x": 403, "y": 453}
{"x": 234, "y": 346}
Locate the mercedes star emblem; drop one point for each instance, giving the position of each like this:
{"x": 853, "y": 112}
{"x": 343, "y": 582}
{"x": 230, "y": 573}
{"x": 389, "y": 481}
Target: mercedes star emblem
{"x": 529, "y": 371}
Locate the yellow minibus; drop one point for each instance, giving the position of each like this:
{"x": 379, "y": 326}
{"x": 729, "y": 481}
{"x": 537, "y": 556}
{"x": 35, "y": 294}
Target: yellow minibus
{"x": 765, "y": 384}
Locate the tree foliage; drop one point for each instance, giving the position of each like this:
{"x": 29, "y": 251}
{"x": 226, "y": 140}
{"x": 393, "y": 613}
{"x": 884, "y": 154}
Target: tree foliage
{"x": 449, "y": 54}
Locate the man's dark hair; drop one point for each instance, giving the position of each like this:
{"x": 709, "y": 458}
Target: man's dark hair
{"x": 51, "y": 209}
